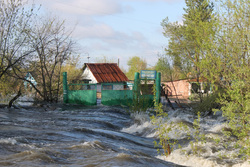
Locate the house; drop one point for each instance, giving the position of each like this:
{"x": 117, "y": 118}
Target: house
{"x": 186, "y": 87}
{"x": 103, "y": 74}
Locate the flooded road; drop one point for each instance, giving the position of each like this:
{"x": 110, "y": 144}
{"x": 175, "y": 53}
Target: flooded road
{"x": 73, "y": 136}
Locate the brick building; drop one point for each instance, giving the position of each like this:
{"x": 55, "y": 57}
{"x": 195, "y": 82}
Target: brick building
{"x": 184, "y": 88}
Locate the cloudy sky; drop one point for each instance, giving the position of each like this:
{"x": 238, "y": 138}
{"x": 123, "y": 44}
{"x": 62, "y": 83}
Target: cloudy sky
{"x": 117, "y": 29}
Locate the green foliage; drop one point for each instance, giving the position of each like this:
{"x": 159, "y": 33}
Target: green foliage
{"x": 163, "y": 66}
{"x": 217, "y": 47}
{"x": 235, "y": 106}
{"x": 208, "y": 104}
{"x": 142, "y": 99}
{"x": 8, "y": 87}
{"x": 233, "y": 68}
{"x": 71, "y": 66}
{"x": 191, "y": 41}
{"x": 159, "y": 120}
{"x": 136, "y": 64}
{"x": 164, "y": 127}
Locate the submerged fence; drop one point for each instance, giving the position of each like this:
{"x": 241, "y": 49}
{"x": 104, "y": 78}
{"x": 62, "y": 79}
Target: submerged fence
{"x": 112, "y": 93}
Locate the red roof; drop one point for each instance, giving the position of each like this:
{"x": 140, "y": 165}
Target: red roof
{"x": 106, "y": 72}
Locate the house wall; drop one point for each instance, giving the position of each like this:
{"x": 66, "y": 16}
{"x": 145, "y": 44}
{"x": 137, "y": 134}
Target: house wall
{"x": 182, "y": 88}
{"x": 87, "y": 74}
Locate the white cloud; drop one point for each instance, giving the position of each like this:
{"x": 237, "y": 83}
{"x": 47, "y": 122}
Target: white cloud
{"x": 98, "y": 36}
{"x": 94, "y": 31}
{"x": 112, "y": 38}
{"x": 171, "y": 1}
{"x": 83, "y": 7}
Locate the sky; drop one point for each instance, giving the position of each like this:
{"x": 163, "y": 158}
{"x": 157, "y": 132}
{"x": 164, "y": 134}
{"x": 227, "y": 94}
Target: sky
{"x": 116, "y": 29}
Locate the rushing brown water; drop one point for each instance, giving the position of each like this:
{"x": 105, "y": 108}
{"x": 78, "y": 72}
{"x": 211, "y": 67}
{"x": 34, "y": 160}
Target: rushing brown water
{"x": 72, "y": 136}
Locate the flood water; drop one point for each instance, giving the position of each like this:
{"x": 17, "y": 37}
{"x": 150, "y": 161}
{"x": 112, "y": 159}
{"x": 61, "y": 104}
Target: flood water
{"x": 73, "y": 136}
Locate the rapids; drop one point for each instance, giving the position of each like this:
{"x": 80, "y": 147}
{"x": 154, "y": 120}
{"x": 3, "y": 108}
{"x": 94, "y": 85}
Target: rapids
{"x": 209, "y": 152}
{"x": 69, "y": 135}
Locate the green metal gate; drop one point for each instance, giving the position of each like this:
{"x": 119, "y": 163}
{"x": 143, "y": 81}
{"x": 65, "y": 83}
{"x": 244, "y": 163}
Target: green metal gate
{"x": 82, "y": 94}
{"x": 116, "y": 94}
{"x": 79, "y": 93}
{"x": 112, "y": 93}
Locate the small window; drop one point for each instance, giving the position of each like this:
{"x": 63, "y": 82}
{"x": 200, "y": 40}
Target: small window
{"x": 107, "y": 87}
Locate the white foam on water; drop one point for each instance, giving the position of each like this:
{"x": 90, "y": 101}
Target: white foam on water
{"x": 90, "y": 144}
{"x": 123, "y": 155}
{"x": 142, "y": 126}
{"x": 15, "y": 141}
{"x": 8, "y": 141}
{"x": 192, "y": 161}
{"x": 82, "y": 145}
{"x": 244, "y": 164}
{"x": 206, "y": 160}
{"x": 144, "y": 129}
{"x": 209, "y": 154}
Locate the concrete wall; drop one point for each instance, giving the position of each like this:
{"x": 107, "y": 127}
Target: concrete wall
{"x": 182, "y": 88}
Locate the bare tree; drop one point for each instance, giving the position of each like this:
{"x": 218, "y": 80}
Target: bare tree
{"x": 15, "y": 21}
{"x": 53, "y": 45}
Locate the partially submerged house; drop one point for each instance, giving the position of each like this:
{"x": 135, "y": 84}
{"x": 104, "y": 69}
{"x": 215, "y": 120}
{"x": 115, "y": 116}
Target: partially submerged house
{"x": 104, "y": 73}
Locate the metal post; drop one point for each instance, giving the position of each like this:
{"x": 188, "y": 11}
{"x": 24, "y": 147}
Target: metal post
{"x": 158, "y": 87}
{"x": 65, "y": 88}
{"x": 136, "y": 81}
{"x": 136, "y": 86}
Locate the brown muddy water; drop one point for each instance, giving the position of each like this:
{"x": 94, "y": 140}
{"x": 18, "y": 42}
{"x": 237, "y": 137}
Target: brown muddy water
{"x": 73, "y": 136}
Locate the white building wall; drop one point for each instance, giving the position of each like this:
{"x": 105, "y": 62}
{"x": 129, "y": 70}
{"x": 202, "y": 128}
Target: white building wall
{"x": 87, "y": 74}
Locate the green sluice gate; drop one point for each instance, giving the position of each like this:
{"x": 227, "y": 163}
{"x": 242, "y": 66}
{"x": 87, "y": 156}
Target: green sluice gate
{"x": 85, "y": 97}
{"x": 116, "y": 94}
{"x": 79, "y": 93}
{"x": 117, "y": 97}
{"x": 147, "y": 100}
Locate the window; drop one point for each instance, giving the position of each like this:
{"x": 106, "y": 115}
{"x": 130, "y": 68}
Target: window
{"x": 107, "y": 87}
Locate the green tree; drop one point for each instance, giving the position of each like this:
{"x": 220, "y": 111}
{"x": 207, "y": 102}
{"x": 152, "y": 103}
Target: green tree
{"x": 232, "y": 67}
{"x": 189, "y": 43}
{"x": 136, "y": 64}
{"x": 164, "y": 67}
{"x": 71, "y": 67}
{"x": 218, "y": 48}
